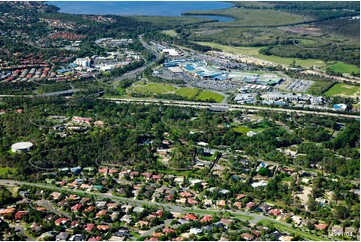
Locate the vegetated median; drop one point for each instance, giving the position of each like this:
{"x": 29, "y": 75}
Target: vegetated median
{"x": 295, "y": 231}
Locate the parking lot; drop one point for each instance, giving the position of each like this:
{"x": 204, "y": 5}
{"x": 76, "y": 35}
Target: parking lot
{"x": 296, "y": 85}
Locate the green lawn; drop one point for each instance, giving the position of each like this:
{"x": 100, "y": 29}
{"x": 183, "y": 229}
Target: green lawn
{"x": 341, "y": 67}
{"x": 153, "y": 88}
{"x": 242, "y": 129}
{"x": 4, "y": 170}
{"x": 187, "y": 92}
{"x": 207, "y": 95}
{"x": 282, "y": 227}
{"x": 341, "y": 89}
{"x": 253, "y": 52}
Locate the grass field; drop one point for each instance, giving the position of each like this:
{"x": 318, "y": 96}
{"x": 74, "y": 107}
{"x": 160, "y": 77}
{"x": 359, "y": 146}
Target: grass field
{"x": 253, "y": 52}
{"x": 170, "y": 32}
{"x": 282, "y": 227}
{"x": 207, "y": 95}
{"x": 344, "y": 90}
{"x": 154, "y": 88}
{"x": 187, "y": 92}
{"x": 341, "y": 67}
{"x": 5, "y": 170}
{"x": 242, "y": 129}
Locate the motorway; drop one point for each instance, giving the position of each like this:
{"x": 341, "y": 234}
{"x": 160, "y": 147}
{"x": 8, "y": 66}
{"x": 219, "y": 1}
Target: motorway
{"x": 253, "y": 218}
{"x": 204, "y": 105}
{"x": 232, "y": 107}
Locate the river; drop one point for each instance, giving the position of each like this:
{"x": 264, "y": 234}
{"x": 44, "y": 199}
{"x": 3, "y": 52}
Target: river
{"x": 149, "y": 8}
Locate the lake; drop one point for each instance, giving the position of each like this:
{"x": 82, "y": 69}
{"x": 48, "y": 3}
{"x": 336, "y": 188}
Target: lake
{"x": 141, "y": 8}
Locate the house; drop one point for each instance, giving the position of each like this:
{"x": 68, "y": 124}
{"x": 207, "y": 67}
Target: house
{"x": 55, "y": 195}
{"x": 103, "y": 227}
{"x": 101, "y": 213}
{"x": 276, "y": 234}
{"x": 206, "y": 219}
{"x": 321, "y": 226}
{"x": 190, "y": 217}
{"x": 89, "y": 227}
{"x": 89, "y": 209}
{"x": 226, "y": 221}
{"x": 147, "y": 175}
{"x": 36, "y": 227}
{"x": 138, "y": 210}
{"x": 142, "y": 223}
{"x": 337, "y": 230}
{"x": 85, "y": 186}
{"x": 168, "y": 230}
{"x": 350, "y": 231}
{"x": 98, "y": 238}
{"x": 186, "y": 194}
{"x": 250, "y": 205}
{"x": 247, "y": 236}
{"x": 240, "y": 196}
{"x": 77, "y": 207}
{"x": 285, "y": 238}
{"x": 195, "y": 231}
{"x": 133, "y": 174}
{"x": 264, "y": 208}
{"x": 77, "y": 237}
{"x": 103, "y": 170}
{"x": 221, "y": 203}
{"x": 191, "y": 201}
{"x": 76, "y": 170}
{"x": 297, "y": 220}
{"x": 62, "y": 236}
{"x": 112, "y": 171}
{"x": 61, "y": 221}
{"x": 238, "y": 205}
{"x": 274, "y": 212}
{"x": 126, "y": 218}
{"x": 101, "y": 204}
{"x": 251, "y": 133}
{"x": 179, "y": 179}
{"x": 112, "y": 206}
{"x": 19, "y": 215}
{"x": 155, "y": 234}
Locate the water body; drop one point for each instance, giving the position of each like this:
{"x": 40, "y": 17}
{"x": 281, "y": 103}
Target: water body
{"x": 148, "y": 8}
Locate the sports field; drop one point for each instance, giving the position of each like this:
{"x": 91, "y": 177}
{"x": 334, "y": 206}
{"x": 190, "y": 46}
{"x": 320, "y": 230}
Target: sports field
{"x": 253, "y": 52}
{"x": 343, "y": 90}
